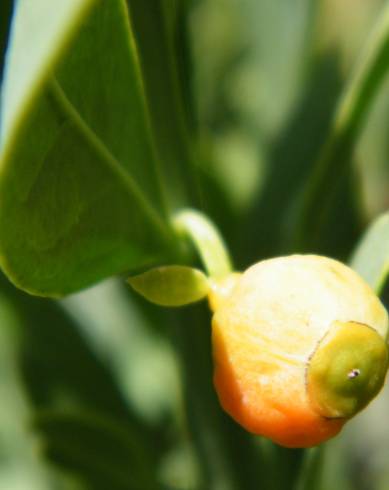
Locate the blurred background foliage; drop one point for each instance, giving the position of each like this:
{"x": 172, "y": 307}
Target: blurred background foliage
{"x": 103, "y": 391}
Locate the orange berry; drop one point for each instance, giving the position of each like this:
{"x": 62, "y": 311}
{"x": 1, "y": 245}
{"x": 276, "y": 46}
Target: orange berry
{"x": 299, "y": 347}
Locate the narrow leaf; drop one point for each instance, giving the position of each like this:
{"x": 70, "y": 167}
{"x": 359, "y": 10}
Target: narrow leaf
{"x": 173, "y": 285}
{"x": 291, "y": 162}
{"x": 80, "y": 195}
{"x": 371, "y": 257}
{"x": 336, "y": 156}
{"x": 160, "y": 33}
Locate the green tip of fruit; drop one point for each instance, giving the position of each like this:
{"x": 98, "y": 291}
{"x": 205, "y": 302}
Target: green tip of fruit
{"x": 347, "y": 369}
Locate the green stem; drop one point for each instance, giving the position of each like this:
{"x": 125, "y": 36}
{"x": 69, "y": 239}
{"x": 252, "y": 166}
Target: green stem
{"x": 207, "y": 241}
{"x": 348, "y": 122}
{"x": 311, "y": 469}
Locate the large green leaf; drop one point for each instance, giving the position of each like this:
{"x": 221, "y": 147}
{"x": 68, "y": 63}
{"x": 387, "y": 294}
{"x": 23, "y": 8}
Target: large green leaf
{"x": 80, "y": 196}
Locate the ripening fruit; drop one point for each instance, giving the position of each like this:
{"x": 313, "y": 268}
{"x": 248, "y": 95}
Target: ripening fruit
{"x": 299, "y": 347}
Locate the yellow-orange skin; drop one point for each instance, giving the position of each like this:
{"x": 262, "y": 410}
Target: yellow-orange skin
{"x": 267, "y": 323}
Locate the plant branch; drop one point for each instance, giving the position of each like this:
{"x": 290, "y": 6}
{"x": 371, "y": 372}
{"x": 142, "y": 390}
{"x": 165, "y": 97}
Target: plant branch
{"x": 207, "y": 241}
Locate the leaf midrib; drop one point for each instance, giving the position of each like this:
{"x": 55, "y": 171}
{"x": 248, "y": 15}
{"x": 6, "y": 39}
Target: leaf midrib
{"x": 105, "y": 156}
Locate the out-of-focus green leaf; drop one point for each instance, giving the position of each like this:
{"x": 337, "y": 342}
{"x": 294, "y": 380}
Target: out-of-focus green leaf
{"x": 99, "y": 450}
{"x": 290, "y": 161}
{"x": 229, "y": 456}
{"x": 80, "y": 196}
{"x": 371, "y": 257}
{"x": 310, "y": 470}
{"x": 160, "y": 34}
{"x": 61, "y": 374}
{"x": 20, "y": 465}
{"x": 6, "y": 10}
{"x": 246, "y": 52}
{"x": 336, "y": 156}
{"x": 342, "y": 218}
{"x": 273, "y": 69}
{"x": 129, "y": 333}
{"x": 173, "y": 285}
